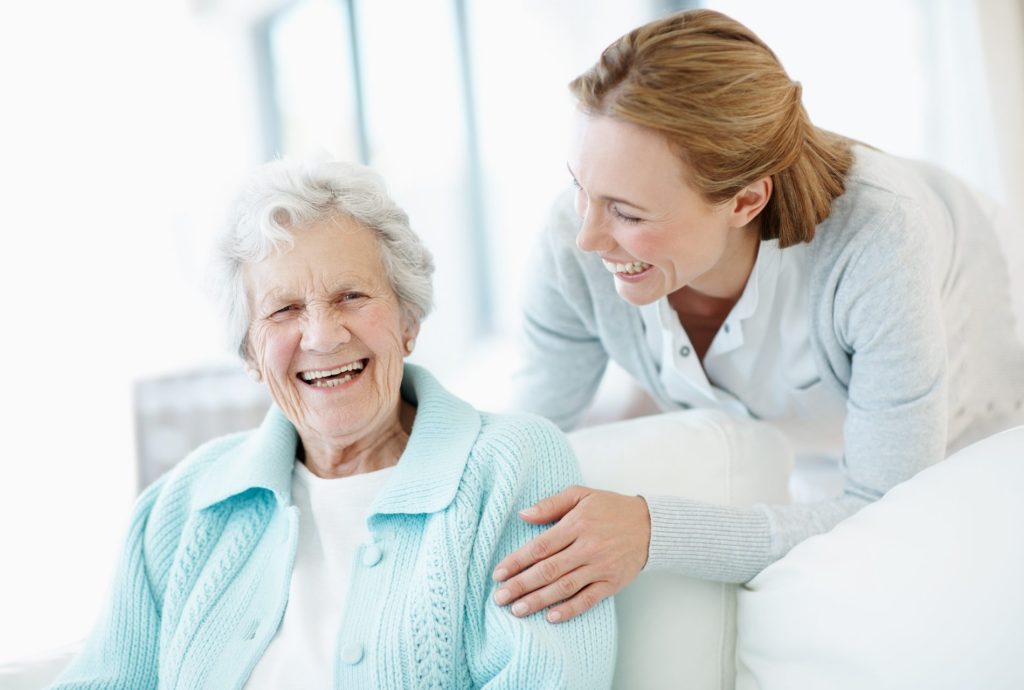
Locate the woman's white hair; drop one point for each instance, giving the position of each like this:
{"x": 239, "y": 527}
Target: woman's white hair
{"x": 283, "y": 196}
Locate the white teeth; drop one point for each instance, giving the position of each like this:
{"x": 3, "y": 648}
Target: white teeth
{"x": 631, "y": 267}
{"x": 332, "y": 382}
{"x": 310, "y": 375}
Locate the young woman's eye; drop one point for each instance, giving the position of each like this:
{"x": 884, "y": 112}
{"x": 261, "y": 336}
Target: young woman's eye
{"x": 623, "y": 217}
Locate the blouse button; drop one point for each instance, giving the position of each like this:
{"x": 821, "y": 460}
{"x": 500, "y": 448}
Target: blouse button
{"x": 684, "y": 351}
{"x": 351, "y": 653}
{"x": 725, "y": 328}
{"x": 372, "y": 555}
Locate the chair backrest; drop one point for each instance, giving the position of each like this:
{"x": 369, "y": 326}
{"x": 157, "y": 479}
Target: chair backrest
{"x": 676, "y": 631}
{"x": 175, "y": 414}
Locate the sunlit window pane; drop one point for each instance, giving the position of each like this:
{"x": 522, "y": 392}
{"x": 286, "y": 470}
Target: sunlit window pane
{"x": 416, "y": 132}
{"x": 313, "y": 80}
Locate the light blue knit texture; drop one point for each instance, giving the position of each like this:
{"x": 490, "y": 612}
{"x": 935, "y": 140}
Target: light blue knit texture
{"x": 204, "y": 579}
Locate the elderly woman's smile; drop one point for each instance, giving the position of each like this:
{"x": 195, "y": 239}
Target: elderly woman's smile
{"x": 333, "y": 377}
{"x": 327, "y": 335}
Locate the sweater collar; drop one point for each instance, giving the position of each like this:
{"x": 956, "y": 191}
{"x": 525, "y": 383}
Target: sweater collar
{"x": 443, "y": 434}
{"x": 425, "y": 479}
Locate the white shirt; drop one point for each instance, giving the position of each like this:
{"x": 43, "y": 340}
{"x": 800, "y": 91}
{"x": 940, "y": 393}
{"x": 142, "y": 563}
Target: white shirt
{"x": 760, "y": 363}
{"x": 332, "y": 526}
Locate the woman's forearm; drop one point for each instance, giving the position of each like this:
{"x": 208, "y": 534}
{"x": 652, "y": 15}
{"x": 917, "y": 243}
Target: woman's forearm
{"x": 732, "y": 543}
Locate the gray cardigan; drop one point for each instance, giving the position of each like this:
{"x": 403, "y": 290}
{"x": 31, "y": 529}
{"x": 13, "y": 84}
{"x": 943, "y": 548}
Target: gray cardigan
{"x": 910, "y": 320}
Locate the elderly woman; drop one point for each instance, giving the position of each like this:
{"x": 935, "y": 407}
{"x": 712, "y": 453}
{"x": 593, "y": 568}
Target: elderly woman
{"x": 348, "y": 541}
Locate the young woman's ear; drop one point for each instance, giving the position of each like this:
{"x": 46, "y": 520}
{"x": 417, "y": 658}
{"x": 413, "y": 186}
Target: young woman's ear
{"x": 750, "y": 200}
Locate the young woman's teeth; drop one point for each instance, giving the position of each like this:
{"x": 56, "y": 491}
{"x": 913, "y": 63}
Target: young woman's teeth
{"x": 323, "y": 379}
{"x": 632, "y": 267}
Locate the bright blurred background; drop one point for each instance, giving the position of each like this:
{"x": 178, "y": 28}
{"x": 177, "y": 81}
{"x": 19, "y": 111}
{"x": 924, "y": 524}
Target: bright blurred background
{"x": 126, "y": 126}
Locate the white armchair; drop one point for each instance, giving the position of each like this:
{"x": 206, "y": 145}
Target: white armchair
{"x": 921, "y": 589}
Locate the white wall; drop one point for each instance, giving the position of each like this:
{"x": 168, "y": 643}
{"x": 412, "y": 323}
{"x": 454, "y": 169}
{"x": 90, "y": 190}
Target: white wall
{"x": 122, "y": 128}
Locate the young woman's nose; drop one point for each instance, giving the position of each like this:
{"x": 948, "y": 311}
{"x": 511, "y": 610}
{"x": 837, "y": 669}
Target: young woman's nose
{"x": 324, "y": 330}
{"x": 594, "y": 235}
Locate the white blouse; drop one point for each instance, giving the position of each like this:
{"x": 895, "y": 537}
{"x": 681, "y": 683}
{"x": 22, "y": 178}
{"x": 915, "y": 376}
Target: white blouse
{"x": 760, "y": 363}
{"x": 332, "y": 526}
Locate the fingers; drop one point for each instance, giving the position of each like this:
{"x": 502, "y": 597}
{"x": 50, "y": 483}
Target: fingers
{"x": 553, "y": 508}
{"x": 547, "y": 572}
{"x": 586, "y": 599}
{"x": 537, "y": 549}
{"x": 576, "y": 589}
{"x": 592, "y": 553}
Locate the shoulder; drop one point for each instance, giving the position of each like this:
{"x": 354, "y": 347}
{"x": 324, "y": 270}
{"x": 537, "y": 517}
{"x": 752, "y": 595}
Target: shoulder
{"x": 890, "y": 225}
{"x": 563, "y": 223}
{"x": 558, "y": 256}
{"x": 527, "y": 432}
{"x": 523, "y": 449}
{"x": 163, "y": 510}
{"x": 171, "y": 499}
{"x": 561, "y": 276}
{"x": 885, "y": 205}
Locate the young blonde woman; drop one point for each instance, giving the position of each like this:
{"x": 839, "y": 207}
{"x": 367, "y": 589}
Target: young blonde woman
{"x": 728, "y": 253}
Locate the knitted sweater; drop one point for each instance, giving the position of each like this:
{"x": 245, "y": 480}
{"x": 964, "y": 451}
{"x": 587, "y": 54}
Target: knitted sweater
{"x": 205, "y": 574}
{"x": 910, "y": 321}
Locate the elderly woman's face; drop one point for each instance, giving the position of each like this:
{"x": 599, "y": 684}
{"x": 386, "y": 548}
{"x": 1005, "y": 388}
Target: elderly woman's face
{"x": 327, "y": 332}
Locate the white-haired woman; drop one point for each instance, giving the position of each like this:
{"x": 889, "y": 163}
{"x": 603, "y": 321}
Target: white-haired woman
{"x": 348, "y": 541}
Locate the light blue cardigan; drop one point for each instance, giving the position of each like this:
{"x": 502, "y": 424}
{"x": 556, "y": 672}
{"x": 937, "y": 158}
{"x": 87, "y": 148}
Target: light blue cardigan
{"x": 205, "y": 574}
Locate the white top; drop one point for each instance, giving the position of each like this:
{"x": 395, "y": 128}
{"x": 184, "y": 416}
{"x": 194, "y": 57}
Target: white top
{"x": 761, "y": 355}
{"x": 332, "y": 526}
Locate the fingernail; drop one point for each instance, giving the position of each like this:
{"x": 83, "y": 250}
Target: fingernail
{"x": 554, "y": 616}
{"x": 500, "y": 574}
{"x": 518, "y": 608}
{"x": 532, "y": 510}
{"x": 502, "y": 596}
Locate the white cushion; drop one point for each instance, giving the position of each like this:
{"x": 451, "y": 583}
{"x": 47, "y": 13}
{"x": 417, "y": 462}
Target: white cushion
{"x": 675, "y": 631}
{"x": 922, "y": 589}
{"x": 39, "y": 671}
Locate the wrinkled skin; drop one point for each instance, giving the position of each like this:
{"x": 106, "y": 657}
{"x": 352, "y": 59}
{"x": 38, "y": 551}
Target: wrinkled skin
{"x": 320, "y": 305}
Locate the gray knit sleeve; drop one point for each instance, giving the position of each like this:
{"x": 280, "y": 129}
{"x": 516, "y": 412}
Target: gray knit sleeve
{"x": 729, "y": 543}
{"x": 562, "y": 357}
{"x": 878, "y": 330}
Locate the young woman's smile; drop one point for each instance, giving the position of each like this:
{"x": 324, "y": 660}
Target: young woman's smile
{"x": 652, "y": 230}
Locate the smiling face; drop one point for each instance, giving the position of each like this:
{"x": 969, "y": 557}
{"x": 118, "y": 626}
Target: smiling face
{"x": 649, "y": 226}
{"x": 327, "y": 334}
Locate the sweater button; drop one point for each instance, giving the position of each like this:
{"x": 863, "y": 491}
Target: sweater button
{"x": 351, "y": 653}
{"x": 372, "y": 555}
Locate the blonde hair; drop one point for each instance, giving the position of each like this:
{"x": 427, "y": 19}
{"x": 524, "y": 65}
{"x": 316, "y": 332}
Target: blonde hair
{"x": 726, "y": 105}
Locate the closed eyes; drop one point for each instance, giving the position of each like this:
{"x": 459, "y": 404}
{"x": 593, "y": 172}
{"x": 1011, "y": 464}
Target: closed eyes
{"x": 347, "y": 297}
{"x": 623, "y": 217}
